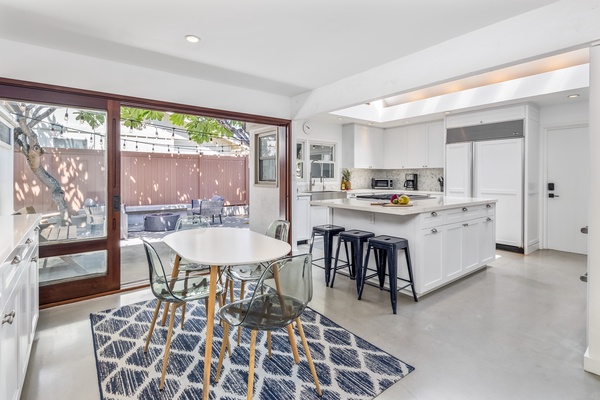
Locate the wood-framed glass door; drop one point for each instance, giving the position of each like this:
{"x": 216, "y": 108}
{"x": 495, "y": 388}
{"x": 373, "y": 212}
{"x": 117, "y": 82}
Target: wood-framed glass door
{"x": 67, "y": 169}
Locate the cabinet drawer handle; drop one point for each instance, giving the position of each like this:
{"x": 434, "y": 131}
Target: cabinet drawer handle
{"x": 488, "y": 206}
{"x": 16, "y": 260}
{"x": 465, "y": 209}
{"x": 433, "y": 230}
{"x": 433, "y": 214}
{"x": 9, "y": 318}
{"x": 488, "y": 219}
{"x": 466, "y": 224}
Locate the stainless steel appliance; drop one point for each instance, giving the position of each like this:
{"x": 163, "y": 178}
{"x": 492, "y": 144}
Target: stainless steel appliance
{"x": 410, "y": 183}
{"x": 379, "y": 183}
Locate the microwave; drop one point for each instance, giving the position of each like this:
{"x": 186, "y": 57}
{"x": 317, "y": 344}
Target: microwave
{"x": 382, "y": 183}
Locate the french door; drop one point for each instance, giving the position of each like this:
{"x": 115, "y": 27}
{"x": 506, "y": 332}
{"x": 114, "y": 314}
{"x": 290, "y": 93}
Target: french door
{"x": 66, "y": 168}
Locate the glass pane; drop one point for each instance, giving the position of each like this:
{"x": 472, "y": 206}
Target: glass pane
{"x": 300, "y": 151}
{"x": 267, "y": 146}
{"x": 60, "y": 169}
{"x": 322, "y": 159}
{"x": 299, "y": 170}
{"x": 72, "y": 267}
{"x": 267, "y": 170}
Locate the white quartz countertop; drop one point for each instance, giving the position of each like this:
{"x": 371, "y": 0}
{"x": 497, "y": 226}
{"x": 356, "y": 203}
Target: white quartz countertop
{"x": 14, "y": 229}
{"x": 418, "y": 206}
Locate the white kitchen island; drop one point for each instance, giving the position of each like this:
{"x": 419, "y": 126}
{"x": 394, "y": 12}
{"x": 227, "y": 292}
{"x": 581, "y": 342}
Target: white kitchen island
{"x": 449, "y": 237}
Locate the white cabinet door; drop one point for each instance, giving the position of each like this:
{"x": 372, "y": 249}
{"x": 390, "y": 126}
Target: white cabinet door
{"x": 499, "y": 175}
{"x": 432, "y": 262}
{"x": 435, "y": 144}
{"x": 302, "y": 221}
{"x": 470, "y": 244}
{"x": 487, "y": 233}
{"x": 368, "y": 147}
{"x": 453, "y": 249}
{"x": 416, "y": 144}
{"x": 9, "y": 348}
{"x": 458, "y": 170}
{"x": 394, "y": 150}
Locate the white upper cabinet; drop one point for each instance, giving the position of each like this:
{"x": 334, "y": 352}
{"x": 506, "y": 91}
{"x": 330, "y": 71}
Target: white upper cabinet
{"x": 435, "y": 144}
{"x": 362, "y": 147}
{"x": 486, "y": 116}
{"x": 414, "y": 146}
{"x": 394, "y": 150}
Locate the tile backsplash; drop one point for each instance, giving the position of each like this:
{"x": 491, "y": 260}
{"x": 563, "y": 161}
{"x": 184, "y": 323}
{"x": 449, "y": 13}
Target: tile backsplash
{"x": 427, "y": 177}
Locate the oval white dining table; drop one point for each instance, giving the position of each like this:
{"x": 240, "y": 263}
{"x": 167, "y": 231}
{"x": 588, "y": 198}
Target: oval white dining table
{"x": 221, "y": 247}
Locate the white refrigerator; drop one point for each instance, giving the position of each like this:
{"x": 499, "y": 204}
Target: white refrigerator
{"x": 491, "y": 169}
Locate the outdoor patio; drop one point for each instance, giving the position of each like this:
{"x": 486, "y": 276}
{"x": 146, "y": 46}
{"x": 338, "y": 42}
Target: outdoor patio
{"x": 134, "y": 266}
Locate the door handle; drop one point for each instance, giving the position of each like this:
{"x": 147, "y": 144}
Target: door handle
{"x": 552, "y": 195}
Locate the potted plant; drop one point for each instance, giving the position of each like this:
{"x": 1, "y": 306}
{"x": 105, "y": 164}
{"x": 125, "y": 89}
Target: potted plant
{"x": 346, "y": 174}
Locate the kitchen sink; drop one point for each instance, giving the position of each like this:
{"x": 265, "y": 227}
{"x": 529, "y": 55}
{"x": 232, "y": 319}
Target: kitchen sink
{"x": 327, "y": 194}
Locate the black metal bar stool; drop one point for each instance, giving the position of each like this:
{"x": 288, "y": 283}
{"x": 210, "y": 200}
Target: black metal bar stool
{"x": 357, "y": 239}
{"x": 328, "y": 232}
{"x": 388, "y": 246}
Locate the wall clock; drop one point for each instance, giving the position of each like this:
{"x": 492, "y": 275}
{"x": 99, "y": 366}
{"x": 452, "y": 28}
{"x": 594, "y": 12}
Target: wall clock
{"x": 307, "y": 127}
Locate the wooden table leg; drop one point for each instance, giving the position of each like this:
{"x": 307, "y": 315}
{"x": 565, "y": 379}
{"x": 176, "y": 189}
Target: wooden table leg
{"x": 174, "y": 275}
{"x": 210, "y": 321}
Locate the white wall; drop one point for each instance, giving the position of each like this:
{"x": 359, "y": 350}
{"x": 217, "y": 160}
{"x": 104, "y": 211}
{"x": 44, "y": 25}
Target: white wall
{"x": 322, "y": 132}
{"x": 554, "y": 116}
{"x": 263, "y": 206}
{"x": 44, "y": 65}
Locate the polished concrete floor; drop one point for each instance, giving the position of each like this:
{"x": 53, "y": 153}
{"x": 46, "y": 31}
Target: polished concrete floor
{"x": 515, "y": 330}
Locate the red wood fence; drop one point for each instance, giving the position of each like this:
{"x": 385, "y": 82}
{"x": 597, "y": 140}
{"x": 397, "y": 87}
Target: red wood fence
{"x": 146, "y": 178}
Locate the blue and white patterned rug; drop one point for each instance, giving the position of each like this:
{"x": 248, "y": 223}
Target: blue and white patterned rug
{"x": 348, "y": 366}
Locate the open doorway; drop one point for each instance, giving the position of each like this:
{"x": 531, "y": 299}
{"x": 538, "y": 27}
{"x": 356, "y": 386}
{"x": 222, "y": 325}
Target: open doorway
{"x": 175, "y": 165}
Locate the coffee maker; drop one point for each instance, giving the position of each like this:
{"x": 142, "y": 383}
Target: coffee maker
{"x": 410, "y": 183}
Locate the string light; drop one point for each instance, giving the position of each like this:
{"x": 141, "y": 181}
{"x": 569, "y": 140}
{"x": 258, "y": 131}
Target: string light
{"x": 131, "y": 129}
{"x": 52, "y": 129}
{"x": 178, "y": 150}
{"x": 67, "y": 115}
{"x": 136, "y": 146}
{"x": 173, "y": 135}
{"x": 168, "y": 148}
{"x": 156, "y": 129}
{"x": 153, "y": 147}
{"x": 124, "y": 144}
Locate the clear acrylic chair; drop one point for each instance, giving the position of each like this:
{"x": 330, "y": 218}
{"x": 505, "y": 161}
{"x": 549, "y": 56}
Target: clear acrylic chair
{"x": 175, "y": 292}
{"x": 186, "y": 266}
{"x": 184, "y": 223}
{"x": 282, "y": 293}
{"x": 279, "y": 229}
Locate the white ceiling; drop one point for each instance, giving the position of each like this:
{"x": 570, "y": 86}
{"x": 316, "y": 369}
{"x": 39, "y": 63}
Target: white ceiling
{"x": 278, "y": 46}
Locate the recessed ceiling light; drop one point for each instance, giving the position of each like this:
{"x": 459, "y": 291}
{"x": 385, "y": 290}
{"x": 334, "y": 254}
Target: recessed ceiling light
{"x": 192, "y": 38}
{"x": 573, "y": 96}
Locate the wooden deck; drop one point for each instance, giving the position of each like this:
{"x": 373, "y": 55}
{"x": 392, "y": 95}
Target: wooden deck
{"x": 58, "y": 233}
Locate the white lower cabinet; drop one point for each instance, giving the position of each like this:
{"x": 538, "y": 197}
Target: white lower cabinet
{"x": 19, "y": 309}
{"x": 302, "y": 225}
{"x": 453, "y": 244}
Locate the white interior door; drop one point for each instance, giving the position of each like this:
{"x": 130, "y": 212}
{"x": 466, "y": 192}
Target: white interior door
{"x": 568, "y": 168}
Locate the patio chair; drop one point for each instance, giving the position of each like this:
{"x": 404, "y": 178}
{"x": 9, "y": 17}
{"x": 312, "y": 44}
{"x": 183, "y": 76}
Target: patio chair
{"x": 282, "y": 293}
{"x": 174, "y": 291}
{"x": 212, "y": 208}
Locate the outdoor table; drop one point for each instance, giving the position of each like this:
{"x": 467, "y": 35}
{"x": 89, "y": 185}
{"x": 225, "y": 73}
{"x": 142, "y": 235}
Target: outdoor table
{"x": 219, "y": 247}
